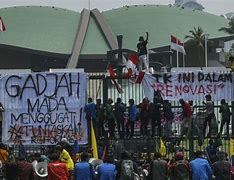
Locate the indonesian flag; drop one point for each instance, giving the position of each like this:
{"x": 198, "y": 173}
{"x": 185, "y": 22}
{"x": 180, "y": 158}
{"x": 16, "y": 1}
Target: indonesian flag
{"x": 131, "y": 65}
{"x": 140, "y": 77}
{"x": 113, "y": 75}
{"x": 2, "y": 26}
{"x": 177, "y": 45}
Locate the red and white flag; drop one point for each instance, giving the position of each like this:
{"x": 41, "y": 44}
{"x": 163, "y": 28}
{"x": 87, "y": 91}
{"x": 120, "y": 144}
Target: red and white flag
{"x": 131, "y": 65}
{"x": 140, "y": 77}
{"x": 177, "y": 45}
{"x": 113, "y": 75}
{"x": 2, "y": 26}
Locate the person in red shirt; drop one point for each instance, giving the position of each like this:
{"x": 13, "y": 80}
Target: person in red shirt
{"x": 187, "y": 117}
{"x": 56, "y": 169}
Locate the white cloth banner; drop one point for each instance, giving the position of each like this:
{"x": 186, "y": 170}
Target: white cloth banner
{"x": 42, "y": 108}
{"x": 190, "y": 85}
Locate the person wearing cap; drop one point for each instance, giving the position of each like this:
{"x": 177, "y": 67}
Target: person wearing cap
{"x": 142, "y": 52}
{"x": 200, "y": 167}
{"x": 56, "y": 169}
{"x": 209, "y": 107}
{"x": 222, "y": 168}
{"x": 180, "y": 169}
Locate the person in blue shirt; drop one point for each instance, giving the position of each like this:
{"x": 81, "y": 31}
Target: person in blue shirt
{"x": 84, "y": 170}
{"x": 200, "y": 167}
{"x": 90, "y": 115}
{"x": 107, "y": 170}
{"x": 132, "y": 111}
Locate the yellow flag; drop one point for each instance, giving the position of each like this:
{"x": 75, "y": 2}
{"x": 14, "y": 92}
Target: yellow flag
{"x": 162, "y": 149}
{"x": 232, "y": 147}
{"x": 94, "y": 142}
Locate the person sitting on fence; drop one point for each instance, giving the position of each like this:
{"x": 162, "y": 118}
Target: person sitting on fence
{"x": 209, "y": 107}
{"x": 187, "y": 117}
{"x": 225, "y": 111}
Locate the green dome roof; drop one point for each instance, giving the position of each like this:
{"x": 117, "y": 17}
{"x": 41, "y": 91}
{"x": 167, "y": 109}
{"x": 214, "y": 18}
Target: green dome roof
{"x": 54, "y": 30}
{"x": 40, "y": 28}
{"x": 161, "y": 22}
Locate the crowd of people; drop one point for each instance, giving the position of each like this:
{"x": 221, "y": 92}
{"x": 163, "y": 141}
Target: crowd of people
{"x": 61, "y": 164}
{"x": 150, "y": 115}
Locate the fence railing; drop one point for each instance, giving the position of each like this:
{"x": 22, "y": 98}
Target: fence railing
{"x": 100, "y": 87}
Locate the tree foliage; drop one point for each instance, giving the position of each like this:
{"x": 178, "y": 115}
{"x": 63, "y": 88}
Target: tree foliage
{"x": 230, "y": 28}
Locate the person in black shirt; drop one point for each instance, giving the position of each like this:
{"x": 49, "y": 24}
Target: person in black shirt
{"x": 155, "y": 113}
{"x": 142, "y": 52}
{"x": 119, "y": 115}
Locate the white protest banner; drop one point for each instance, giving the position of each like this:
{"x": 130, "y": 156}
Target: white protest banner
{"x": 190, "y": 85}
{"x": 42, "y": 108}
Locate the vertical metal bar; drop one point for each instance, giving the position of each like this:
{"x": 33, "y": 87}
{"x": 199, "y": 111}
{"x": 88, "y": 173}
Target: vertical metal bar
{"x": 105, "y": 89}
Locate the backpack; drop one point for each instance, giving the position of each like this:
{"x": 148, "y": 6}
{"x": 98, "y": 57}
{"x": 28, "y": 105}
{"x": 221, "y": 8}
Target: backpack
{"x": 126, "y": 170}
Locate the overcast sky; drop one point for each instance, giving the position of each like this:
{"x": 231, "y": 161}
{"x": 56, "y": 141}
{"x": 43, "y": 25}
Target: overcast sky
{"x": 212, "y": 6}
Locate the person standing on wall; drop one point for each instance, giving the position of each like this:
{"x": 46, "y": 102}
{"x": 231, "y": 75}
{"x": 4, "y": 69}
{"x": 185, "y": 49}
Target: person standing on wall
{"x": 226, "y": 113}
{"x": 209, "y": 107}
{"x": 120, "y": 115}
{"x": 142, "y": 51}
{"x": 132, "y": 118}
{"x": 90, "y": 115}
{"x": 187, "y": 118}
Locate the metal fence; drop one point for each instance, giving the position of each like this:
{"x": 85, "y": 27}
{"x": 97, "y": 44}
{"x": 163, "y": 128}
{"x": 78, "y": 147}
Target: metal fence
{"x": 100, "y": 87}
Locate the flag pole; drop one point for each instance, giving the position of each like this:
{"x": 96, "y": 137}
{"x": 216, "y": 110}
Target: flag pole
{"x": 170, "y": 56}
{"x": 89, "y": 4}
{"x": 183, "y": 58}
{"x": 206, "y": 59}
{"x": 177, "y": 53}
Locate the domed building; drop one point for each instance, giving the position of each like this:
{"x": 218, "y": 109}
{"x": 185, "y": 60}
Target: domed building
{"x": 189, "y": 4}
{"x": 39, "y": 37}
